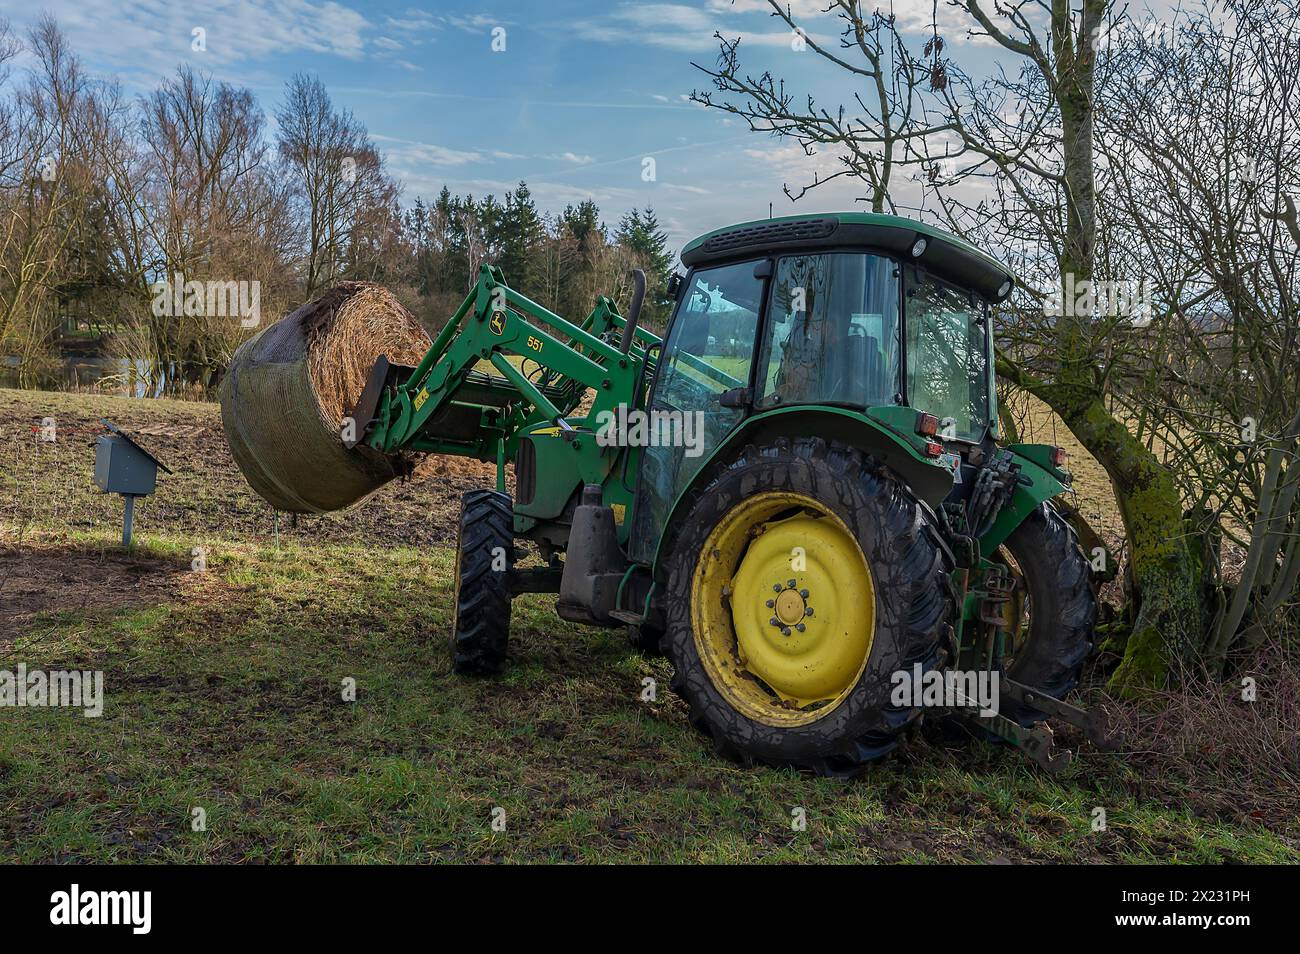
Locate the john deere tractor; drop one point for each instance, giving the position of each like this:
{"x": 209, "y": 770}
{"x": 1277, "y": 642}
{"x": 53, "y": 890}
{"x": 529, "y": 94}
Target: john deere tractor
{"x": 799, "y": 494}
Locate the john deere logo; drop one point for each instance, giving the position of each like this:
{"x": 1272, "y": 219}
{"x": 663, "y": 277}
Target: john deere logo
{"x": 498, "y": 322}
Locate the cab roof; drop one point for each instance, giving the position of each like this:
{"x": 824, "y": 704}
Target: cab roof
{"x": 943, "y": 253}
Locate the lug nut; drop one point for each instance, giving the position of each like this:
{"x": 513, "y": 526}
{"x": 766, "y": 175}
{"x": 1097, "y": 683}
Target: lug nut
{"x": 785, "y": 630}
{"x": 808, "y": 611}
{"x": 801, "y": 627}
{"x": 790, "y": 584}
{"x": 803, "y": 593}
{"x": 774, "y": 621}
{"x": 776, "y": 587}
{"x": 771, "y": 603}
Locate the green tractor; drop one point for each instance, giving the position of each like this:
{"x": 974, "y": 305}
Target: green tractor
{"x": 798, "y": 494}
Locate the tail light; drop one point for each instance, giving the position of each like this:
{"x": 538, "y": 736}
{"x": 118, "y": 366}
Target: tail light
{"x": 927, "y": 425}
{"x": 933, "y": 449}
{"x": 1059, "y": 457}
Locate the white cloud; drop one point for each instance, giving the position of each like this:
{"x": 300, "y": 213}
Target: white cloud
{"x": 407, "y": 153}
{"x": 158, "y": 35}
{"x": 789, "y": 158}
{"x": 475, "y": 23}
{"x": 691, "y": 29}
{"x": 414, "y": 20}
{"x": 912, "y": 15}
{"x": 799, "y": 8}
{"x": 672, "y": 26}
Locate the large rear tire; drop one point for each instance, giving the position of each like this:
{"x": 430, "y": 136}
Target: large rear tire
{"x": 484, "y": 557}
{"x": 1047, "y": 652}
{"x": 803, "y": 578}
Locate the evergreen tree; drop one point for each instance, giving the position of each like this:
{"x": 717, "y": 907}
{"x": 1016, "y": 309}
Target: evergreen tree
{"x": 461, "y": 222}
{"x": 492, "y": 225}
{"x": 520, "y": 233}
{"x": 417, "y": 224}
{"x": 639, "y": 232}
{"x": 418, "y": 234}
{"x": 440, "y": 230}
{"x": 582, "y": 222}
{"x": 564, "y": 261}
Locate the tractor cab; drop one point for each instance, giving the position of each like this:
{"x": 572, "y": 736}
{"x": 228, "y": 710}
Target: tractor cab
{"x": 857, "y": 325}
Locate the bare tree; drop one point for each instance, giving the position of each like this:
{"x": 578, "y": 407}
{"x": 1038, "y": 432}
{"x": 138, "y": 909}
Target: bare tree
{"x": 1030, "y": 131}
{"x": 338, "y": 175}
{"x": 1221, "y": 406}
{"x": 869, "y": 138}
{"x": 50, "y": 164}
{"x": 211, "y": 209}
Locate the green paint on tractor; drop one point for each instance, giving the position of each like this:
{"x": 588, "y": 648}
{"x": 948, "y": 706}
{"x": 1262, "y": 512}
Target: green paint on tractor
{"x": 836, "y": 369}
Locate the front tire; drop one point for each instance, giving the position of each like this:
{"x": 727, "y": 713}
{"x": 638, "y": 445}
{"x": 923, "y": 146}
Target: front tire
{"x": 837, "y": 534}
{"x": 484, "y": 557}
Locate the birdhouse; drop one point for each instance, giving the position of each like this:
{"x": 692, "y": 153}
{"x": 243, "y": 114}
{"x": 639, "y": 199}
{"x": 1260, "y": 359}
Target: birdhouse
{"x": 124, "y": 467}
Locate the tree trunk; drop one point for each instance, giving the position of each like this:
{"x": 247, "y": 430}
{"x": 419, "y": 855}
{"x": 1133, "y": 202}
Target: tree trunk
{"x": 1165, "y": 564}
{"x": 1164, "y": 560}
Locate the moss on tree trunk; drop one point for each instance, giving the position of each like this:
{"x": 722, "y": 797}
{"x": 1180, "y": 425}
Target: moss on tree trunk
{"x": 1164, "y": 559}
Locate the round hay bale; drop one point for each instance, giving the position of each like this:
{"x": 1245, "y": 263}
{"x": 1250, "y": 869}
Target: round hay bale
{"x": 289, "y": 387}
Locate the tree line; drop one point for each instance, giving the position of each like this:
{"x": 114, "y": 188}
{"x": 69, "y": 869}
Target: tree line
{"x": 562, "y": 261}
{"x": 104, "y": 196}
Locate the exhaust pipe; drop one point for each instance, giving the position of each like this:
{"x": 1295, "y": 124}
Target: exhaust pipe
{"x": 634, "y": 312}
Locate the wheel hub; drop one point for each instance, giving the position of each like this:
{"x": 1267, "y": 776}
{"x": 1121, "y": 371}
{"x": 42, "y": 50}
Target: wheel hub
{"x": 795, "y": 608}
{"x": 790, "y": 607}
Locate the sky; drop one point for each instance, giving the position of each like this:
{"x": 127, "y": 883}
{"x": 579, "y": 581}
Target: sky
{"x": 574, "y": 99}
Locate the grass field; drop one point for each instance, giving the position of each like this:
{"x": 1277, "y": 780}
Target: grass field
{"x": 225, "y": 685}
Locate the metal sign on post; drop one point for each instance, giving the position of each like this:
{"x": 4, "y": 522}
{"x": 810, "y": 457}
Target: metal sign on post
{"x": 124, "y": 467}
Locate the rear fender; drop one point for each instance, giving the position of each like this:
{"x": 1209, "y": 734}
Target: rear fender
{"x": 928, "y": 479}
{"x": 1037, "y": 483}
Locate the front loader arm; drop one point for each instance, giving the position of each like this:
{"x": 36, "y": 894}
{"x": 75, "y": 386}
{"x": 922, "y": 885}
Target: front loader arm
{"x": 447, "y": 405}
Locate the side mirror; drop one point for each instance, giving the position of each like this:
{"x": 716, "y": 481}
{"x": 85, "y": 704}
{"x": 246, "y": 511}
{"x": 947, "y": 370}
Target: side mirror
{"x": 674, "y": 287}
{"x": 634, "y": 311}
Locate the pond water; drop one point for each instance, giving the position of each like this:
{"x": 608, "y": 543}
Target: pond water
{"x": 131, "y": 377}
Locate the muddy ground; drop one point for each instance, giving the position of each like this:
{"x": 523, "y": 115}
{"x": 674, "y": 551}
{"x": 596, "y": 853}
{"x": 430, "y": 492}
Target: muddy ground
{"x": 50, "y": 482}
{"x": 223, "y": 692}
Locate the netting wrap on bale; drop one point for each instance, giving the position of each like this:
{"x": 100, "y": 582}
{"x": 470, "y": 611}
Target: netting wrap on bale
{"x": 289, "y": 388}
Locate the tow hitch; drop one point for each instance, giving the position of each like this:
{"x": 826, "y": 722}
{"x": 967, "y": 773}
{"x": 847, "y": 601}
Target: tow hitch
{"x": 1037, "y": 739}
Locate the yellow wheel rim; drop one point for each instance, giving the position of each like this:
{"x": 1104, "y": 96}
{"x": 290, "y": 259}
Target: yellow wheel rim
{"x": 784, "y": 609}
